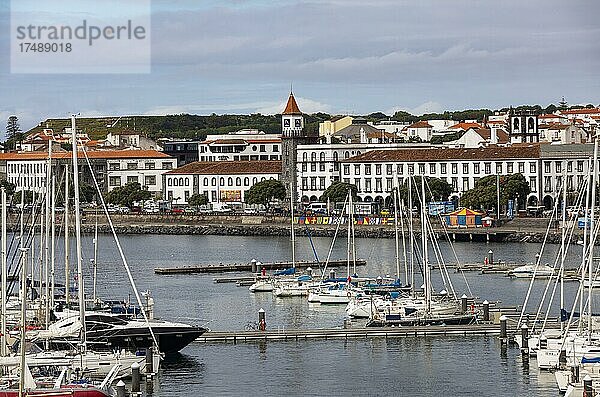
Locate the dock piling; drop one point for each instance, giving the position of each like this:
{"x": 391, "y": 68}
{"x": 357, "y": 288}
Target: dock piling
{"x": 463, "y": 304}
{"x": 503, "y": 333}
{"x": 121, "y": 389}
{"x": 525, "y": 340}
{"x": 135, "y": 378}
{"x": 587, "y": 386}
{"x": 262, "y": 323}
{"x": 149, "y": 361}
{"x": 486, "y": 310}
{"x": 490, "y": 258}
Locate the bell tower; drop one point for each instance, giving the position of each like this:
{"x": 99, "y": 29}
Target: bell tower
{"x": 292, "y": 135}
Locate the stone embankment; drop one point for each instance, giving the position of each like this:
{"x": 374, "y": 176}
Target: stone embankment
{"x": 519, "y": 230}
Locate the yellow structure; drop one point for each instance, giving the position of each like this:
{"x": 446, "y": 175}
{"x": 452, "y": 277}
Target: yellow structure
{"x": 330, "y": 127}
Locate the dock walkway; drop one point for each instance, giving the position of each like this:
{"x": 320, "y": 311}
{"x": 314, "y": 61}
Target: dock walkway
{"x": 243, "y": 267}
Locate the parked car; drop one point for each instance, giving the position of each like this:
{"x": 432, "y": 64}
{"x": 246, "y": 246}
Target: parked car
{"x": 190, "y": 210}
{"x": 177, "y": 211}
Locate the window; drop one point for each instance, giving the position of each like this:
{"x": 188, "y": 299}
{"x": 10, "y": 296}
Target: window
{"x": 368, "y": 185}
{"x": 132, "y": 166}
{"x": 547, "y": 184}
{"x": 476, "y": 168}
{"x": 421, "y": 169}
{"x": 132, "y": 179}
{"x": 367, "y": 169}
{"x": 388, "y": 169}
{"x": 388, "y": 184}
{"x": 313, "y": 183}
{"x": 167, "y": 165}
{"x": 532, "y": 167}
{"x": 150, "y": 166}
{"x": 378, "y": 187}
{"x": 465, "y": 168}
{"x": 346, "y": 169}
{"x": 322, "y": 167}
{"x": 321, "y": 183}
{"x": 313, "y": 167}
{"x": 569, "y": 166}
{"x": 465, "y": 186}
{"x": 509, "y": 168}
{"x": 262, "y": 148}
{"x": 116, "y": 181}
{"x": 246, "y": 181}
{"x": 521, "y": 167}
{"x": 304, "y": 167}
{"x": 454, "y": 183}
{"x": 238, "y": 181}
{"x": 377, "y": 169}
{"x": 432, "y": 168}
{"x": 411, "y": 169}
{"x": 356, "y": 169}
{"x": 454, "y": 168}
{"x": 114, "y": 166}
{"x": 400, "y": 168}
{"x": 230, "y": 181}
{"x": 443, "y": 168}
{"x": 205, "y": 181}
{"x": 580, "y": 166}
{"x": 275, "y": 148}
{"x": 304, "y": 183}
{"x": 357, "y": 183}
{"x": 304, "y": 156}
{"x": 498, "y": 168}
{"x": 487, "y": 168}
{"x": 150, "y": 180}
{"x": 322, "y": 157}
{"x": 547, "y": 167}
{"x": 558, "y": 166}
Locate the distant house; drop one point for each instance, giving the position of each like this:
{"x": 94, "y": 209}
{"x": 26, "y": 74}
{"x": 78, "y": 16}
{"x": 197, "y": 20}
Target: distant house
{"x": 38, "y": 141}
{"x": 420, "y": 129}
{"x": 361, "y": 132}
{"x": 131, "y": 139}
{"x": 328, "y": 128}
{"x": 480, "y": 137}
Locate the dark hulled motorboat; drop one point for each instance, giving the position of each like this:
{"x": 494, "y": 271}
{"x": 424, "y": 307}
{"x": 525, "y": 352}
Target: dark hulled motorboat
{"x": 106, "y": 331}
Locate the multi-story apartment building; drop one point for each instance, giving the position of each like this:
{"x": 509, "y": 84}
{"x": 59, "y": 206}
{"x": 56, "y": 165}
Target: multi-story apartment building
{"x": 111, "y": 168}
{"x": 220, "y": 181}
{"x": 542, "y": 165}
{"x": 184, "y": 151}
{"x": 244, "y": 145}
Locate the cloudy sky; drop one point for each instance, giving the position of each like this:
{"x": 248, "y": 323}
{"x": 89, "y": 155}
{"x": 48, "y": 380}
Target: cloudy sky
{"x": 342, "y": 56}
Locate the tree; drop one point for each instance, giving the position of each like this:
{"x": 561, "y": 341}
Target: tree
{"x": 265, "y": 191}
{"x": 197, "y": 200}
{"x": 13, "y": 132}
{"x": 484, "y": 195}
{"x": 563, "y": 104}
{"x": 28, "y": 197}
{"x": 8, "y": 187}
{"x": 338, "y": 191}
{"x": 436, "y": 189}
{"x": 127, "y": 194}
{"x": 87, "y": 193}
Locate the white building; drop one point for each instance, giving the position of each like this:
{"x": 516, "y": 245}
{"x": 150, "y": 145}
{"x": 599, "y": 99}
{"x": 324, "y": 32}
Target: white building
{"x": 221, "y": 181}
{"x": 131, "y": 139}
{"x": 243, "y": 145}
{"x": 117, "y": 167}
{"x": 542, "y": 165}
{"x": 421, "y": 129}
{"x": 390, "y": 126}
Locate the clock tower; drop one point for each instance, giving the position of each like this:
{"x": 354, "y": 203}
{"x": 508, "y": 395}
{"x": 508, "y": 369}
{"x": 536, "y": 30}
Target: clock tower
{"x": 292, "y": 135}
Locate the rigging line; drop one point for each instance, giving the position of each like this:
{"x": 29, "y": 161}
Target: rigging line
{"x": 120, "y": 249}
{"x": 337, "y": 229}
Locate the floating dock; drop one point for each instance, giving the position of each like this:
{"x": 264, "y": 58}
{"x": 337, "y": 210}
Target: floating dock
{"x": 348, "y": 333}
{"x": 243, "y": 267}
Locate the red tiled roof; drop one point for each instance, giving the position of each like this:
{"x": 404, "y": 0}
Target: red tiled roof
{"x": 93, "y": 154}
{"x": 420, "y": 124}
{"x": 292, "y": 106}
{"x": 581, "y": 111}
{"x": 435, "y": 154}
{"x": 229, "y": 167}
{"x": 486, "y": 134}
{"x": 465, "y": 126}
{"x": 550, "y": 116}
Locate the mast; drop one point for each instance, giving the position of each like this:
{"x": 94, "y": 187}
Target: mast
{"x": 425, "y": 253}
{"x": 21, "y": 244}
{"x": 95, "y": 255}
{"x": 412, "y": 237}
{"x": 349, "y": 233}
{"x": 563, "y": 247}
{"x": 292, "y": 226}
{"x": 23, "y": 319}
{"x": 47, "y": 238}
{"x": 4, "y": 270}
{"x": 66, "y": 213}
{"x": 592, "y": 234}
{"x": 395, "y": 195}
{"x": 585, "y": 243}
{"x": 353, "y": 234}
{"x": 80, "y": 288}
{"x": 53, "y": 240}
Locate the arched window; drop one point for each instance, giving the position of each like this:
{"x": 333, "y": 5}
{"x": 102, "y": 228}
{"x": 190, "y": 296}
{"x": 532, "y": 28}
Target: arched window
{"x": 175, "y": 180}
{"x": 313, "y": 156}
{"x": 254, "y": 180}
{"x": 187, "y": 181}
{"x": 335, "y": 156}
{"x": 170, "y": 182}
{"x": 181, "y": 182}
{"x": 205, "y": 181}
{"x": 238, "y": 181}
{"x": 246, "y": 181}
{"x": 262, "y": 179}
{"x": 516, "y": 124}
{"x": 230, "y": 181}
{"x": 346, "y": 154}
{"x": 531, "y": 124}
{"x": 322, "y": 157}
{"x": 222, "y": 181}
{"x": 214, "y": 181}
{"x": 304, "y": 156}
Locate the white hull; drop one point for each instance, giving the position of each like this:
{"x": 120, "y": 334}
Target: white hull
{"x": 262, "y": 286}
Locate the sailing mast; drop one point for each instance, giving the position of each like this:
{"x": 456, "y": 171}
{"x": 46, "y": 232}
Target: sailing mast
{"x": 563, "y": 246}
{"x": 425, "y": 253}
{"x": 395, "y": 195}
{"x": 47, "y": 237}
{"x": 349, "y": 234}
{"x": 67, "y": 287}
{"x": 412, "y": 237}
{"x": 4, "y": 270}
{"x": 23, "y": 318}
{"x": 95, "y": 260}
{"x": 80, "y": 287}
{"x": 592, "y": 240}
{"x": 292, "y": 225}
{"x": 53, "y": 239}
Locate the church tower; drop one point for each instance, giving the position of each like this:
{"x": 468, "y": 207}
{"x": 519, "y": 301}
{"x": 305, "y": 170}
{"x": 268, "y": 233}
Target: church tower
{"x": 292, "y": 135}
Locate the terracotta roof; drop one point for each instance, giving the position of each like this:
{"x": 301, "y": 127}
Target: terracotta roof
{"x": 229, "y": 167}
{"x": 550, "y": 116}
{"x": 524, "y": 151}
{"x": 95, "y": 154}
{"x": 465, "y": 126}
{"x": 581, "y": 111}
{"x": 380, "y": 134}
{"x": 292, "y": 106}
{"x": 420, "y": 124}
{"x": 486, "y": 134}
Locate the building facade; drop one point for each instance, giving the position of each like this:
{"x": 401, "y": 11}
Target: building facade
{"x": 221, "y": 182}
{"x": 244, "y": 145}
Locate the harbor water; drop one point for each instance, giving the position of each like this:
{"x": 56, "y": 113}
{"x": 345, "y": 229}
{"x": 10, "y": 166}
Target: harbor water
{"x": 425, "y": 366}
